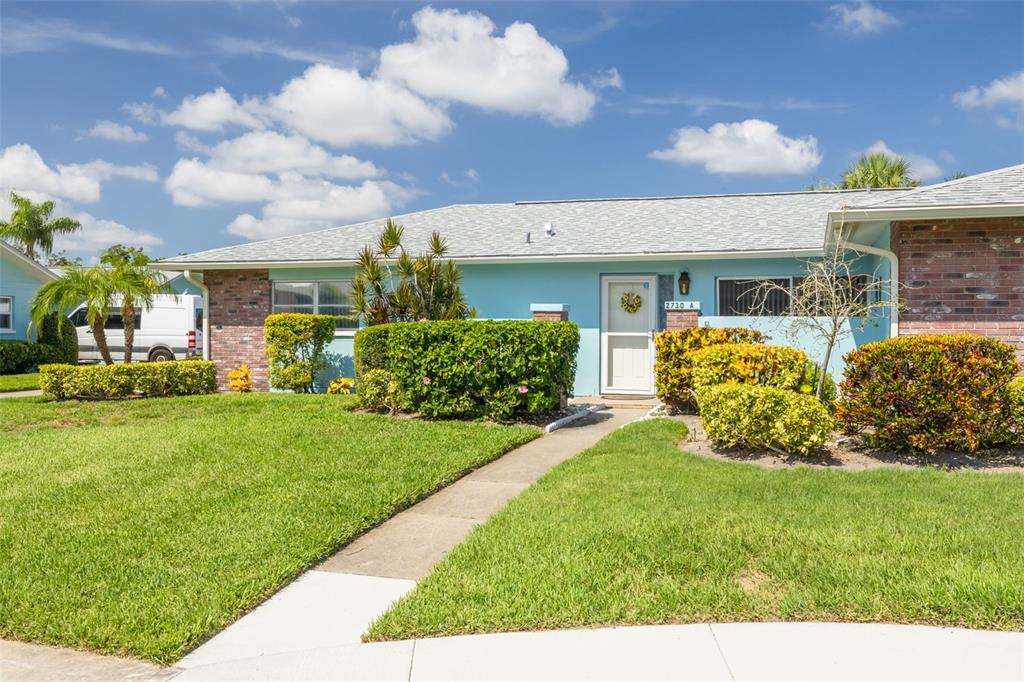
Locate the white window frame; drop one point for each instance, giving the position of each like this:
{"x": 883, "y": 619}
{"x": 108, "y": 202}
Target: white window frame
{"x": 718, "y": 292}
{"x": 315, "y": 308}
{"x": 10, "y": 303}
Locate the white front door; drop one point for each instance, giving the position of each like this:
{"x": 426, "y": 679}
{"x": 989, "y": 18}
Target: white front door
{"x": 627, "y": 333}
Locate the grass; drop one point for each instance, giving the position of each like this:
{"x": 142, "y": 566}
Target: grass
{"x": 143, "y": 527}
{"x": 19, "y": 382}
{"x": 636, "y": 531}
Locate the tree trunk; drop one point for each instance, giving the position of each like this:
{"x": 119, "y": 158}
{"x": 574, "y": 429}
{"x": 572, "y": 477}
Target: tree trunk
{"x": 100, "y": 336}
{"x": 128, "y": 320}
{"x": 820, "y": 388}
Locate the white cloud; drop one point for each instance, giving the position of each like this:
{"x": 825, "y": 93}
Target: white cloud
{"x": 921, "y": 167}
{"x": 467, "y": 179}
{"x": 862, "y": 17}
{"x": 344, "y": 56}
{"x": 1005, "y": 94}
{"x": 306, "y": 205}
{"x": 193, "y": 183}
{"x": 212, "y": 111}
{"x": 47, "y": 35}
{"x": 340, "y": 107}
{"x": 455, "y": 57}
{"x": 190, "y": 143}
{"x": 271, "y": 152}
{"x": 108, "y": 130}
{"x": 609, "y": 78}
{"x": 99, "y": 233}
{"x": 22, "y": 168}
{"x": 752, "y": 146}
{"x": 159, "y": 92}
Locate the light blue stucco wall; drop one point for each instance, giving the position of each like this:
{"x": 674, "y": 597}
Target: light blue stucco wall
{"x": 505, "y": 291}
{"x": 21, "y": 282}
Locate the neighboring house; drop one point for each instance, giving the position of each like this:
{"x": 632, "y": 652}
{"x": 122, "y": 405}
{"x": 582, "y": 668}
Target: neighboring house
{"x": 20, "y": 277}
{"x": 690, "y": 260}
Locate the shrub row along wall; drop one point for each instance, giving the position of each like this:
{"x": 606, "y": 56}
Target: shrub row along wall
{"x": 493, "y": 369}
{"x": 57, "y": 342}
{"x": 106, "y": 382}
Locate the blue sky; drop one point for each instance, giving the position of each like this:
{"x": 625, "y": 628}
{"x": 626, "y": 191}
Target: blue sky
{"x": 184, "y": 126}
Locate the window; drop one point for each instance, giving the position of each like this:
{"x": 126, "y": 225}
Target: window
{"x": 6, "y": 313}
{"x": 115, "y": 322}
{"x": 333, "y": 297}
{"x": 79, "y": 319}
{"x": 738, "y": 296}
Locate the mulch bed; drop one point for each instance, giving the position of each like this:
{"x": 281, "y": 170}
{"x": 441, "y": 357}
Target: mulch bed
{"x": 850, "y": 454}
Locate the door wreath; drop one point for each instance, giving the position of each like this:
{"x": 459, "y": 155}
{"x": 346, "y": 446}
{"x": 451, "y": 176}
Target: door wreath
{"x": 630, "y": 302}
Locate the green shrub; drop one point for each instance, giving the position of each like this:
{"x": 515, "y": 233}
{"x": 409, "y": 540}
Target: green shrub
{"x": 930, "y": 392}
{"x": 108, "y": 382}
{"x": 673, "y": 366}
{"x": 295, "y": 345}
{"x": 750, "y": 363}
{"x": 370, "y": 348}
{"x": 377, "y": 390}
{"x": 492, "y": 369}
{"x": 1016, "y": 392}
{"x": 764, "y": 417}
{"x": 58, "y": 333}
{"x": 17, "y": 357}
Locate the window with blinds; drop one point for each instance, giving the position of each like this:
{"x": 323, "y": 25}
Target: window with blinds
{"x": 322, "y": 297}
{"x": 740, "y": 296}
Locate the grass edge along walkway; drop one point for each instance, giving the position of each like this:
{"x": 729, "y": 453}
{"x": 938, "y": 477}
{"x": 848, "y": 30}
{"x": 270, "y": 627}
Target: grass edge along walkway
{"x": 635, "y": 531}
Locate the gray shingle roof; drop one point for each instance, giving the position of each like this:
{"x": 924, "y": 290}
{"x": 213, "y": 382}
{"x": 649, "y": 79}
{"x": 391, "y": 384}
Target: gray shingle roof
{"x": 594, "y": 227}
{"x": 1001, "y": 186}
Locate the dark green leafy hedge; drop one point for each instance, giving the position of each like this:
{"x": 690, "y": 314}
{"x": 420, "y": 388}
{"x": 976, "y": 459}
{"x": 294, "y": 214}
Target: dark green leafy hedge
{"x": 109, "y": 382}
{"x": 17, "y": 357}
{"x": 59, "y": 334}
{"x": 295, "y": 345}
{"x": 370, "y": 349}
{"x": 491, "y": 369}
{"x": 930, "y": 392}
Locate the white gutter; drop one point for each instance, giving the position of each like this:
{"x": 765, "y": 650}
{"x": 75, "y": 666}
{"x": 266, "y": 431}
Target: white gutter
{"x": 894, "y": 265}
{"x": 187, "y": 276}
{"x": 507, "y": 260}
{"x": 928, "y": 212}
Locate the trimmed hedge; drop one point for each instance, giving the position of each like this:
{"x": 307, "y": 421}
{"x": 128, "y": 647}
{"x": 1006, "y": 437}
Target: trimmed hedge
{"x": 488, "y": 368}
{"x": 764, "y": 417}
{"x": 17, "y": 357}
{"x": 109, "y": 382}
{"x": 749, "y": 363}
{"x": 59, "y": 334}
{"x": 370, "y": 349}
{"x": 379, "y": 392}
{"x": 930, "y": 392}
{"x": 673, "y": 366}
{"x": 295, "y": 345}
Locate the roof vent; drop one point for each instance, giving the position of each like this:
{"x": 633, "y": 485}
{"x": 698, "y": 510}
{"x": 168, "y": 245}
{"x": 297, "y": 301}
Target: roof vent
{"x": 549, "y": 230}
{"x": 527, "y": 237}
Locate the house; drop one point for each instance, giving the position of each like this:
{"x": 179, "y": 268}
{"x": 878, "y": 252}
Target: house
{"x": 688, "y": 260}
{"x": 20, "y": 277}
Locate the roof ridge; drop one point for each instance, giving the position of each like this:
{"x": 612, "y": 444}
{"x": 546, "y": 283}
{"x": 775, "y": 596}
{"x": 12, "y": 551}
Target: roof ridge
{"x": 707, "y": 196}
{"x": 918, "y": 190}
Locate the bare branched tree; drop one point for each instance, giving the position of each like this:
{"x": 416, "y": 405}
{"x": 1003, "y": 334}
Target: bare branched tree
{"x": 831, "y": 301}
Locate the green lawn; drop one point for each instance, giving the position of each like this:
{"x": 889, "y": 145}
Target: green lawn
{"x": 635, "y": 531}
{"x": 18, "y": 382}
{"x": 143, "y": 527}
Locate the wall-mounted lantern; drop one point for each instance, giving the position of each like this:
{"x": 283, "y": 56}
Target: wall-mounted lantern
{"x": 684, "y": 283}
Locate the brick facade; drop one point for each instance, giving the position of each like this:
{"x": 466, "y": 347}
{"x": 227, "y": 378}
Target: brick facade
{"x": 239, "y": 303}
{"x": 548, "y": 316}
{"x": 962, "y": 275}
{"x": 681, "y": 319}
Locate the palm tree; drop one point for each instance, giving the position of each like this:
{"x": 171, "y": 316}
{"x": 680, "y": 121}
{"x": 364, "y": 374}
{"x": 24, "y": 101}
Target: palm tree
{"x": 878, "y": 169}
{"x": 91, "y": 286}
{"x": 135, "y": 283}
{"x": 30, "y": 225}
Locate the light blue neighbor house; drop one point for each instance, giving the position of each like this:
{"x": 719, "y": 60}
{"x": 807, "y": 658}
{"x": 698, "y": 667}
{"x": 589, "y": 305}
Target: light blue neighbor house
{"x": 623, "y": 269}
{"x": 20, "y": 277}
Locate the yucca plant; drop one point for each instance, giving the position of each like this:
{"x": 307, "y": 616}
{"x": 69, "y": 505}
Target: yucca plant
{"x": 392, "y": 285}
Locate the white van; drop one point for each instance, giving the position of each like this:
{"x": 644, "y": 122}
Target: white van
{"x": 171, "y": 329}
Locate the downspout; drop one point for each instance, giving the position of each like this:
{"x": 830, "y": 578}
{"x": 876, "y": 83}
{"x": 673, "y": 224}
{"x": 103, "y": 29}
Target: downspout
{"x": 894, "y": 274}
{"x": 187, "y": 275}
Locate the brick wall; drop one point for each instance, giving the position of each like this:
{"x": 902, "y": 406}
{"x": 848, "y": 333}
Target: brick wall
{"x": 681, "y": 319}
{"x": 962, "y": 275}
{"x": 549, "y": 316}
{"x": 239, "y": 303}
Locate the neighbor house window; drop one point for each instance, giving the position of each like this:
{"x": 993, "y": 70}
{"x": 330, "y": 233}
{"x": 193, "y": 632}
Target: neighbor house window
{"x": 740, "y": 296}
{"x": 329, "y": 297}
{"x": 6, "y": 313}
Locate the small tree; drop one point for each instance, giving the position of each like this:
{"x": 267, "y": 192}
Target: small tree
{"x": 131, "y": 278}
{"x": 830, "y": 301}
{"x": 31, "y": 227}
{"x": 879, "y": 170}
{"x": 91, "y": 286}
{"x": 391, "y": 285}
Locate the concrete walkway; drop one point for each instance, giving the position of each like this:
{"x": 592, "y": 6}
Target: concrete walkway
{"x": 20, "y": 394}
